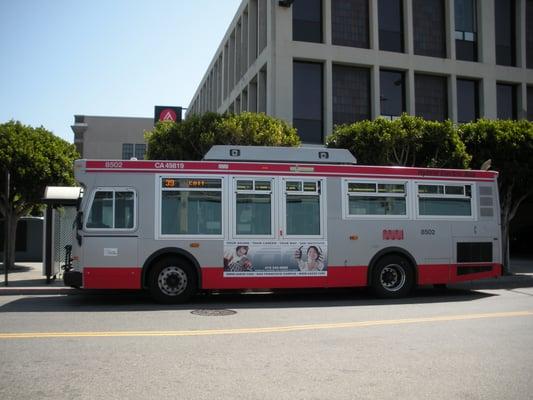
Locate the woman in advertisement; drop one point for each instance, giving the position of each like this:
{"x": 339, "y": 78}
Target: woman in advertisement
{"x": 314, "y": 259}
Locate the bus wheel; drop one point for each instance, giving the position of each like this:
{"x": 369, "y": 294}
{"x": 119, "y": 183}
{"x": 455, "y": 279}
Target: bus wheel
{"x": 172, "y": 280}
{"x": 392, "y": 277}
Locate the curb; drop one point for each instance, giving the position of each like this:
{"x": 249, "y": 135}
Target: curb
{"x": 492, "y": 283}
{"x": 512, "y": 281}
{"x": 36, "y": 290}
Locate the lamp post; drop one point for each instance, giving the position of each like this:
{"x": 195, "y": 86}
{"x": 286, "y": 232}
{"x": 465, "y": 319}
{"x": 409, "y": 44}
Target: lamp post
{"x": 6, "y": 228}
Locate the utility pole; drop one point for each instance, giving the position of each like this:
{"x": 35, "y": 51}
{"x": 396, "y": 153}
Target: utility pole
{"x": 6, "y": 229}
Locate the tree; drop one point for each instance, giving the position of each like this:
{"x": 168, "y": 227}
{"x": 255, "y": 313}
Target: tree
{"x": 186, "y": 140}
{"x": 408, "y": 141}
{"x": 35, "y": 158}
{"x": 509, "y": 146}
{"x": 192, "y": 138}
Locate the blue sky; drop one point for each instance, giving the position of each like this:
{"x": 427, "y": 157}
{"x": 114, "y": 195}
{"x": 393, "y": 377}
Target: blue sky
{"x": 116, "y": 57}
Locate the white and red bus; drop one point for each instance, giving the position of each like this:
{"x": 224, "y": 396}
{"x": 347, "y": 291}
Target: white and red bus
{"x": 257, "y": 218}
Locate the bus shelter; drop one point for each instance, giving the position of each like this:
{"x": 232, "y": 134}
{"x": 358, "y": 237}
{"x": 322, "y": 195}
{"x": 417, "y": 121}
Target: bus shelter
{"x": 61, "y": 203}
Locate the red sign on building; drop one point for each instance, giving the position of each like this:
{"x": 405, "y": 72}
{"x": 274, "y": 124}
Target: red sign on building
{"x": 167, "y": 113}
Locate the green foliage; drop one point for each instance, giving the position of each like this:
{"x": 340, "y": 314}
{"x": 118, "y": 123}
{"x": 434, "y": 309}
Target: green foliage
{"x": 35, "y": 159}
{"x": 411, "y": 141}
{"x": 408, "y": 141}
{"x": 192, "y": 138}
{"x": 508, "y": 144}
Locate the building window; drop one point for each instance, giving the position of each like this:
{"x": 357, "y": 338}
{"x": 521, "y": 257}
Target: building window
{"x": 465, "y": 30}
{"x": 529, "y": 33}
{"x": 431, "y": 97}
{"x": 307, "y": 101}
{"x": 140, "y": 151}
{"x": 467, "y": 100}
{"x": 392, "y": 93}
{"x": 390, "y": 14}
{"x": 530, "y": 103}
{"x": 127, "y": 151}
{"x": 506, "y": 99}
{"x": 130, "y": 150}
{"x": 429, "y": 28}
{"x": 505, "y": 32}
{"x": 351, "y": 94}
{"x": 350, "y": 23}
{"x": 307, "y": 21}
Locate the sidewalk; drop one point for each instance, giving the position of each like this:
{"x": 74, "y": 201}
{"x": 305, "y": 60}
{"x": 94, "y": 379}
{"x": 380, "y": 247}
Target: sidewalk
{"x": 27, "y": 279}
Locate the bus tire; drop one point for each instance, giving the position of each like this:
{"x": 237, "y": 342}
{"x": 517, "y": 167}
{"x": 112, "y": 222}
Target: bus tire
{"x": 172, "y": 280}
{"x": 392, "y": 277}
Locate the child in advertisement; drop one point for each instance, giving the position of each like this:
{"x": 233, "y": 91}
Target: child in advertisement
{"x": 238, "y": 261}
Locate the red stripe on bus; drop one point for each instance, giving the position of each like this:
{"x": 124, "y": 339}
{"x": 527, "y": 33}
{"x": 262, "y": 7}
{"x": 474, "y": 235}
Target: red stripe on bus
{"x": 352, "y": 276}
{"x": 112, "y": 278}
{"x": 213, "y": 278}
{"x": 291, "y": 169}
{"x": 270, "y": 173}
{"x": 448, "y": 273}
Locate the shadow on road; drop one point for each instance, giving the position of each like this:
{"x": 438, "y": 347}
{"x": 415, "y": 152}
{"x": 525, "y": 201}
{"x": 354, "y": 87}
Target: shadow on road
{"x": 504, "y": 283}
{"x": 140, "y": 301}
{"x": 15, "y": 269}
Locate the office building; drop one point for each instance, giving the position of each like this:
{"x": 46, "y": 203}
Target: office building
{"x": 112, "y": 138}
{"x": 319, "y": 63}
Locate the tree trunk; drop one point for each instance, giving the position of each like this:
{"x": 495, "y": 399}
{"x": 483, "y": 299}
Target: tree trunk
{"x": 506, "y": 208}
{"x": 509, "y": 208}
{"x": 506, "y": 258}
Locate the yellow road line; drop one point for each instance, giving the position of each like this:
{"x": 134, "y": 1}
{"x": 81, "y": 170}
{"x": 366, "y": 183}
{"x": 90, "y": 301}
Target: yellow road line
{"x": 274, "y": 329}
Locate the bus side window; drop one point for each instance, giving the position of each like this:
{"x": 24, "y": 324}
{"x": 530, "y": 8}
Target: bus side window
{"x": 303, "y": 207}
{"x": 101, "y": 214}
{"x": 253, "y": 207}
{"x": 112, "y": 209}
{"x": 377, "y": 199}
{"x": 124, "y": 210}
{"x": 191, "y": 206}
{"x": 445, "y": 200}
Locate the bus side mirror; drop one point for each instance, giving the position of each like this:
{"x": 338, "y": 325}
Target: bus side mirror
{"x": 79, "y": 220}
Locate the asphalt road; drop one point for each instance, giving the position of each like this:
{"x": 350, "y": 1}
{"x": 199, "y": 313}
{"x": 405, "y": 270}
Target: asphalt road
{"x": 443, "y": 344}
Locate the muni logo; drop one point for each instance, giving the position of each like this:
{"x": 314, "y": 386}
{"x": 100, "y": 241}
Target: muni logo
{"x": 393, "y": 234}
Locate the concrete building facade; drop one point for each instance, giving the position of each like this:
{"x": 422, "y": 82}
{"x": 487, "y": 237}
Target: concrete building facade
{"x": 112, "y": 138}
{"x": 319, "y": 63}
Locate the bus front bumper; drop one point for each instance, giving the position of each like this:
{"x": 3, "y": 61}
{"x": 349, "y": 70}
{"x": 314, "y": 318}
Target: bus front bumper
{"x": 73, "y": 278}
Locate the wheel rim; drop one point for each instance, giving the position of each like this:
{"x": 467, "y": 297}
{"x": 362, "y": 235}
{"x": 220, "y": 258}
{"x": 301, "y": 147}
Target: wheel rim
{"x": 172, "y": 280}
{"x": 392, "y": 277}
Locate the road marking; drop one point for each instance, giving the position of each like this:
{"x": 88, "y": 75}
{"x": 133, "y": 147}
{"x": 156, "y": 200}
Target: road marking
{"x": 274, "y": 329}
